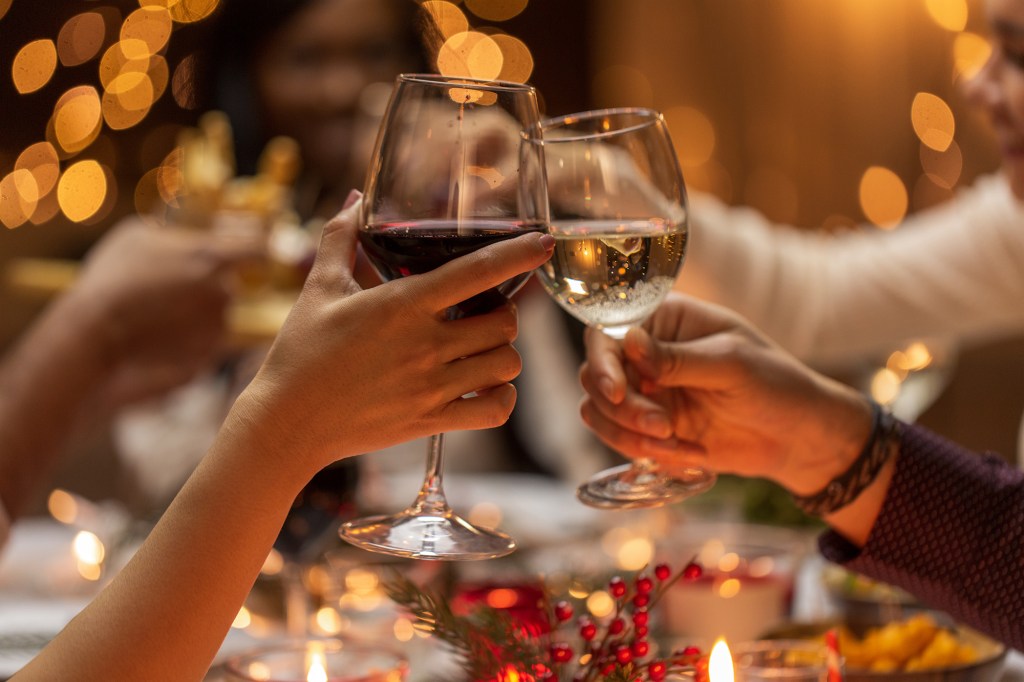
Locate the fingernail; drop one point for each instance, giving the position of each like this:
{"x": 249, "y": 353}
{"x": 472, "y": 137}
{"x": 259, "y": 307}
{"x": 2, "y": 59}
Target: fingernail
{"x": 547, "y": 241}
{"x": 655, "y": 423}
{"x": 352, "y": 198}
{"x": 607, "y": 388}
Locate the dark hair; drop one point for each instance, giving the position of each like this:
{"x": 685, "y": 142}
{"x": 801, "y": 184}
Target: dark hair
{"x": 235, "y": 34}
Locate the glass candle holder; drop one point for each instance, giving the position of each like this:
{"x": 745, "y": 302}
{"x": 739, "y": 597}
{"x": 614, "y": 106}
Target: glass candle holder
{"x": 785, "y": 660}
{"x": 317, "y": 660}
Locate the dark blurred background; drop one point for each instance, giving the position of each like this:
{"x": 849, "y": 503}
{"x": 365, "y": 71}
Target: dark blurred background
{"x": 789, "y": 106}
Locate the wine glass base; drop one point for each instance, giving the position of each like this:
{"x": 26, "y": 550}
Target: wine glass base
{"x": 617, "y": 488}
{"x": 438, "y": 537}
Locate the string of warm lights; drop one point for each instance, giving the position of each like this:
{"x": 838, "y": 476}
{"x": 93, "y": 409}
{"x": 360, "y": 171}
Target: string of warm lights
{"x": 48, "y": 177}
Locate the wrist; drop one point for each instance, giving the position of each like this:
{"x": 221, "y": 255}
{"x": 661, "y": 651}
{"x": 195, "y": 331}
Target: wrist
{"x": 845, "y": 488}
{"x": 842, "y": 425}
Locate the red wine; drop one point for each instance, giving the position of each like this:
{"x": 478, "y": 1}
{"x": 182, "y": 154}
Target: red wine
{"x": 410, "y": 248}
{"x": 327, "y": 501}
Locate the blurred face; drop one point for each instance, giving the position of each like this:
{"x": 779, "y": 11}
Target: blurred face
{"x": 313, "y": 70}
{"x": 998, "y": 88}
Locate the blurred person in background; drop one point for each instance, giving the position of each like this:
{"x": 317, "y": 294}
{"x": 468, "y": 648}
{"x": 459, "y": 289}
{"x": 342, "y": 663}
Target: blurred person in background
{"x": 145, "y": 316}
{"x": 954, "y": 272}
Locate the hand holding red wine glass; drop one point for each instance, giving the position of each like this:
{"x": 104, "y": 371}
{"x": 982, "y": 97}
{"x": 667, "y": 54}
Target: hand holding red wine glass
{"x": 453, "y": 171}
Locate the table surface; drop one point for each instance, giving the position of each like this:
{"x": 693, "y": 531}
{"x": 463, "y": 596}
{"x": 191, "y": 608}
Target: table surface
{"x": 32, "y": 609}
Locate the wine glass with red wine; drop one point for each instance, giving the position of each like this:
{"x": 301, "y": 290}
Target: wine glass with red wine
{"x": 453, "y": 171}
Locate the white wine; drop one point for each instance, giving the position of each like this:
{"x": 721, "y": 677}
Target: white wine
{"x": 612, "y": 274}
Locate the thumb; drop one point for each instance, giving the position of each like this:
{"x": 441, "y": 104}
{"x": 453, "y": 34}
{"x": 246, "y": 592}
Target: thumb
{"x": 701, "y": 363}
{"x": 336, "y": 253}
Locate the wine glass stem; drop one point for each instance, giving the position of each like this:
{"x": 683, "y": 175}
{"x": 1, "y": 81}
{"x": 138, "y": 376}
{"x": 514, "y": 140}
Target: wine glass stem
{"x": 431, "y": 499}
{"x": 296, "y": 599}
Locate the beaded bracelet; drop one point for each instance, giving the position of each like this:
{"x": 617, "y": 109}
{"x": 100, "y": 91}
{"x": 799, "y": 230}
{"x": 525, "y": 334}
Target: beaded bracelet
{"x": 882, "y": 444}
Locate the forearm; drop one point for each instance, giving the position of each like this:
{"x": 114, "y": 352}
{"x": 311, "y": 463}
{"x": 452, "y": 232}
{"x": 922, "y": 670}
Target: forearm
{"x": 44, "y": 382}
{"x": 166, "y": 614}
{"x": 951, "y": 531}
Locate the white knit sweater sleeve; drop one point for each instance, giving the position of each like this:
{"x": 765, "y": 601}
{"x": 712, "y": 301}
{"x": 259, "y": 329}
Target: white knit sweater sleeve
{"x": 956, "y": 271}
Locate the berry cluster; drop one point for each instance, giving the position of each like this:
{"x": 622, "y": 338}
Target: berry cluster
{"x": 618, "y": 649}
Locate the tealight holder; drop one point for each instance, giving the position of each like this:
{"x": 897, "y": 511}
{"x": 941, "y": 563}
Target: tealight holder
{"x": 317, "y": 660}
{"x": 782, "y": 660}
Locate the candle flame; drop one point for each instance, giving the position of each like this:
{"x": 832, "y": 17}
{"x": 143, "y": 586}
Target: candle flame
{"x": 317, "y": 667}
{"x": 720, "y": 663}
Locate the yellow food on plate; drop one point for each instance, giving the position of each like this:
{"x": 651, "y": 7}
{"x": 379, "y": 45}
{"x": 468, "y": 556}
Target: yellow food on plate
{"x": 916, "y": 643}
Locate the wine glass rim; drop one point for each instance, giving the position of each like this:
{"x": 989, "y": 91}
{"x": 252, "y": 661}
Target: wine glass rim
{"x": 466, "y": 82}
{"x": 650, "y": 117}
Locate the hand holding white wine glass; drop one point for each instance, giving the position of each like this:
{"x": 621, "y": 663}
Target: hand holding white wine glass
{"x": 619, "y": 217}
{"x": 453, "y": 171}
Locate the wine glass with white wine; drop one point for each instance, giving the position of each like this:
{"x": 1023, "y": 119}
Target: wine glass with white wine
{"x": 619, "y": 217}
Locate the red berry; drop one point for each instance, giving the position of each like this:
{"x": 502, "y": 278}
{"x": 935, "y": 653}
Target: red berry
{"x": 657, "y": 670}
{"x": 692, "y": 571}
{"x": 644, "y": 584}
{"x": 641, "y": 600}
{"x": 623, "y": 655}
{"x": 691, "y": 651}
{"x": 607, "y": 669}
{"x": 561, "y": 653}
{"x": 616, "y": 626}
{"x": 640, "y": 617}
{"x": 641, "y": 648}
{"x": 641, "y": 630}
{"x": 563, "y": 611}
{"x": 662, "y": 572}
{"x": 588, "y": 630}
{"x": 617, "y": 586}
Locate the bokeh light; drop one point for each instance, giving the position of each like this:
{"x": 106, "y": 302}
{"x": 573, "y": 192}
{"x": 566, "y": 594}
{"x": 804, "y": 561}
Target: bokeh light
{"x": 943, "y": 168}
{"x": 970, "y": 52}
{"x": 18, "y": 195}
{"x": 77, "y": 118}
{"x": 472, "y": 54}
{"x": 40, "y": 159}
{"x": 4, "y": 6}
{"x": 517, "y": 62}
{"x": 692, "y": 133}
{"x": 183, "y": 83}
{"x": 933, "y": 121}
{"x": 883, "y": 197}
{"x": 81, "y": 38}
{"x": 496, "y": 10}
{"x": 949, "y": 14}
{"x": 33, "y": 66}
{"x": 147, "y": 26}
{"x": 184, "y": 11}
{"x": 127, "y": 100}
{"x": 124, "y": 56}
{"x": 82, "y": 190}
{"x": 448, "y": 18}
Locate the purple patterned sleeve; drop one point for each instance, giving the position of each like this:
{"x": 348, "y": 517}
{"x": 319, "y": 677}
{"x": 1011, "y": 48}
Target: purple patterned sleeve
{"x": 951, "y": 532}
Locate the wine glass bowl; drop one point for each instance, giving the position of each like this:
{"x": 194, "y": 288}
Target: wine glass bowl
{"x": 618, "y": 214}
{"x": 453, "y": 171}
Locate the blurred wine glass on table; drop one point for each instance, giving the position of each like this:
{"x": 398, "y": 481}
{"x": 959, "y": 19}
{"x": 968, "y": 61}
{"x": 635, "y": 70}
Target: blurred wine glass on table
{"x": 451, "y": 173}
{"x": 316, "y": 514}
{"x": 619, "y": 218}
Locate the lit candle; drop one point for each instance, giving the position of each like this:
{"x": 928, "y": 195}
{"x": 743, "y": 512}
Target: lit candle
{"x": 316, "y": 669}
{"x": 720, "y": 668}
